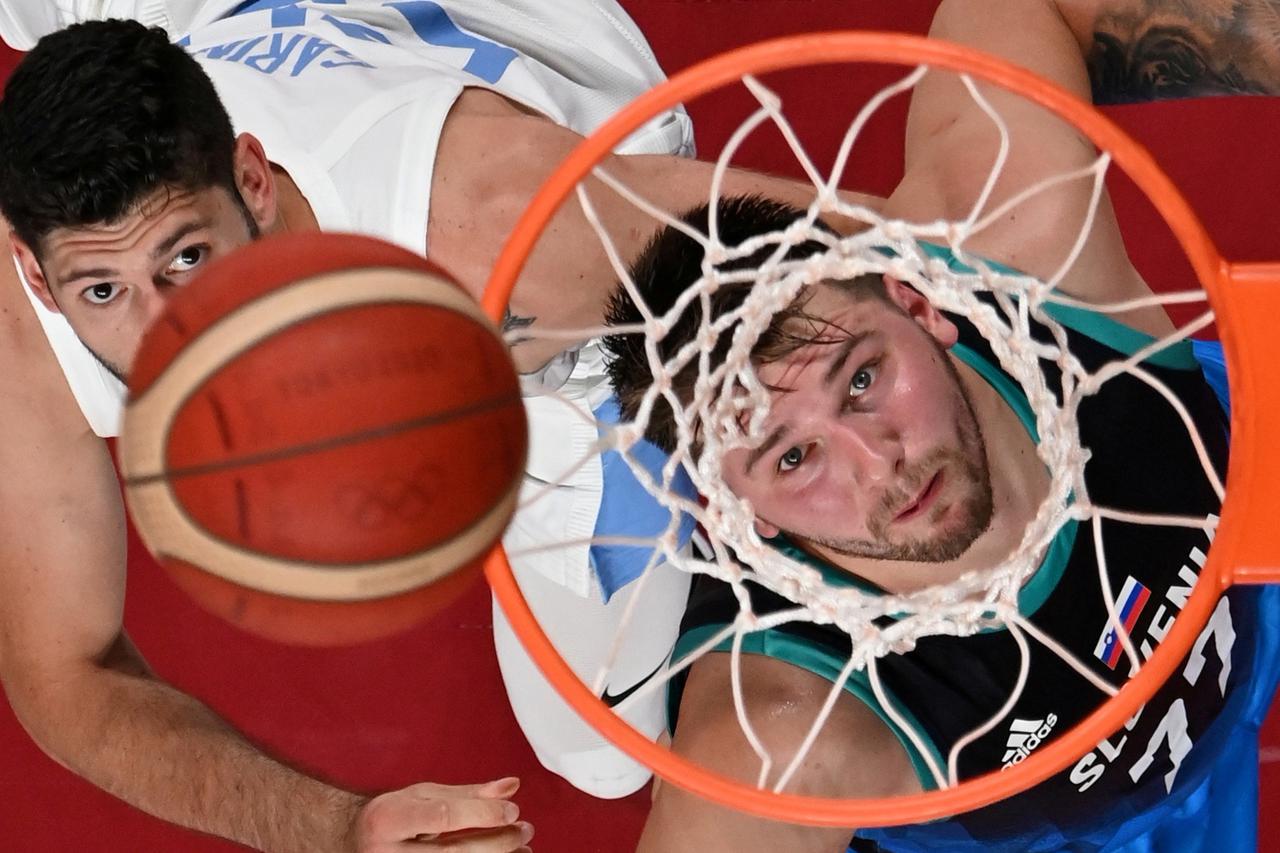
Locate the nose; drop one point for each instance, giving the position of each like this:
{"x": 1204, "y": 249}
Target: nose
{"x": 871, "y": 450}
{"x": 152, "y": 300}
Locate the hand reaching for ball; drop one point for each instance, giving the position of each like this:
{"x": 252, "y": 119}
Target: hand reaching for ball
{"x": 458, "y": 818}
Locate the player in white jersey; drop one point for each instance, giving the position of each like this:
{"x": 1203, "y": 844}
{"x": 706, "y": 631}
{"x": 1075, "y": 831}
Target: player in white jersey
{"x": 427, "y": 123}
{"x": 290, "y": 78}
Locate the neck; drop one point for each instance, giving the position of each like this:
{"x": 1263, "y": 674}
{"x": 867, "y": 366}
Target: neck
{"x": 1019, "y": 483}
{"x": 293, "y": 211}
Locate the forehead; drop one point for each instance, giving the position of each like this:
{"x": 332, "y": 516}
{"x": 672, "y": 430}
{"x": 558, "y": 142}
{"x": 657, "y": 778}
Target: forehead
{"x": 831, "y": 323}
{"x": 146, "y": 222}
{"x": 834, "y": 310}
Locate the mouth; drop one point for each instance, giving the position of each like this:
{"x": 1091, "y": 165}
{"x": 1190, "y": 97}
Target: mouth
{"x": 922, "y": 501}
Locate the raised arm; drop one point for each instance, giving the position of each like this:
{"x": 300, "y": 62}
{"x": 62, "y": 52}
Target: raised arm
{"x": 86, "y": 696}
{"x": 1108, "y": 50}
{"x": 492, "y": 159}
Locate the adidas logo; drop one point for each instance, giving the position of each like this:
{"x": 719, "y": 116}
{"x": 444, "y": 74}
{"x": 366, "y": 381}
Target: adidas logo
{"x": 1024, "y": 736}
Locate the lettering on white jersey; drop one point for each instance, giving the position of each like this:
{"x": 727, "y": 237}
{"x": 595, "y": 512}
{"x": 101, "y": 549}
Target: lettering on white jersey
{"x": 299, "y": 51}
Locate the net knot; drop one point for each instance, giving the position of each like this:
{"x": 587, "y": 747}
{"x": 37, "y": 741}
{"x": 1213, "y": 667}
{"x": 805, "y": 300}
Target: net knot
{"x": 895, "y": 230}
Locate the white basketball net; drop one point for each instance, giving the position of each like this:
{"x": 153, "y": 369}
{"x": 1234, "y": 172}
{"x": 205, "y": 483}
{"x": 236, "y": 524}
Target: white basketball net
{"x": 720, "y": 406}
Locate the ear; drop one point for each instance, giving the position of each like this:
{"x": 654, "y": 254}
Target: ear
{"x": 33, "y": 273}
{"x": 254, "y": 181}
{"x": 765, "y": 529}
{"x": 915, "y": 306}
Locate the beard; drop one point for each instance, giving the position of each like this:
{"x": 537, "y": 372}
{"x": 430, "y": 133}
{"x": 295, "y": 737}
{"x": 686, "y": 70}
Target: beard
{"x": 110, "y": 366}
{"x": 967, "y": 473}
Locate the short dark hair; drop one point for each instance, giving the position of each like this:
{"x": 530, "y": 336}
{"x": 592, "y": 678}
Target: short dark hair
{"x": 670, "y": 264}
{"x": 97, "y": 118}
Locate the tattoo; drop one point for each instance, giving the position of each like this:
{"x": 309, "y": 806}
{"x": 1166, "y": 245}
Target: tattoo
{"x": 514, "y": 322}
{"x": 1173, "y": 49}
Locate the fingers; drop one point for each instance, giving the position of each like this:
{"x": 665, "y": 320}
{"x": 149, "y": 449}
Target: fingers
{"x": 446, "y": 814}
{"x": 497, "y": 789}
{"x": 502, "y": 788}
{"x": 428, "y": 816}
{"x": 508, "y": 839}
{"x": 403, "y": 814}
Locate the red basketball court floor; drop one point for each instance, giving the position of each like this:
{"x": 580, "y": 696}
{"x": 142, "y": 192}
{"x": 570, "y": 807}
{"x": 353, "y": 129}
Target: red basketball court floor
{"x": 429, "y": 705}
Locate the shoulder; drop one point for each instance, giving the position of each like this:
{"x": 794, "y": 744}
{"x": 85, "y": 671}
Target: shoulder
{"x": 850, "y": 756}
{"x": 854, "y": 753}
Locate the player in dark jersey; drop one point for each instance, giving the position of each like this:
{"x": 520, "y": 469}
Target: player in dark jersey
{"x": 1142, "y": 459}
{"x": 897, "y": 455}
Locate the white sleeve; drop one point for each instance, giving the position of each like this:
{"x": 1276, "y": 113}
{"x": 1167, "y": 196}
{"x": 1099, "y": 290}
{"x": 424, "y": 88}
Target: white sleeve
{"x": 99, "y": 394}
{"x": 24, "y": 22}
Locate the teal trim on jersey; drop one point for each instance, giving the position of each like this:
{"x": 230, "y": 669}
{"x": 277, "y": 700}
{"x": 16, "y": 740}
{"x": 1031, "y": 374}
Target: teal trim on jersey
{"x": 1121, "y": 338}
{"x": 830, "y": 574}
{"x": 1011, "y": 392}
{"x": 1100, "y": 327}
{"x": 784, "y": 647}
{"x": 1036, "y": 590}
{"x": 1034, "y": 593}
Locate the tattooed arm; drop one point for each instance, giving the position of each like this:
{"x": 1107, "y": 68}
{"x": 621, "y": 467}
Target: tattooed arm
{"x": 513, "y": 323}
{"x": 1147, "y": 50}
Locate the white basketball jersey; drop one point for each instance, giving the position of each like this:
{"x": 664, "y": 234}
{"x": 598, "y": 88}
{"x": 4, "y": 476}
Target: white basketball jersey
{"x": 349, "y": 97}
{"x": 24, "y": 22}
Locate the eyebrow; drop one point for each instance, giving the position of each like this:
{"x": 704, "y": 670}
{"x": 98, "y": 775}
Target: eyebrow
{"x": 163, "y": 248}
{"x": 166, "y": 245}
{"x": 847, "y": 346}
{"x": 96, "y": 272}
{"x": 765, "y": 446}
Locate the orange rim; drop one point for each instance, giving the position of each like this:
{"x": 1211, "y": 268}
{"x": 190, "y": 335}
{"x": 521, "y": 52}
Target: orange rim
{"x": 1241, "y": 295}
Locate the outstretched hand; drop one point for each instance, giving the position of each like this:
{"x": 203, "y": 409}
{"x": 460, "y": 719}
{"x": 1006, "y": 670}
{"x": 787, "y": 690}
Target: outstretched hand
{"x": 458, "y": 818}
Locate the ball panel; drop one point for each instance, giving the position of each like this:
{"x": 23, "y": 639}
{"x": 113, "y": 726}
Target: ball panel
{"x": 253, "y": 271}
{"x": 340, "y": 374}
{"x": 167, "y": 530}
{"x": 374, "y": 499}
{"x": 297, "y": 621}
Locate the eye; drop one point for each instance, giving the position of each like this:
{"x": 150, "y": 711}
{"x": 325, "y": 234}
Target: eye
{"x": 862, "y": 380}
{"x": 101, "y": 294}
{"x": 187, "y": 260}
{"x": 791, "y": 460}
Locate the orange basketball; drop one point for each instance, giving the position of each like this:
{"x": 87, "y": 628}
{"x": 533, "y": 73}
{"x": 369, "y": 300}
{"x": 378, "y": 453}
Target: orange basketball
{"x": 324, "y": 437}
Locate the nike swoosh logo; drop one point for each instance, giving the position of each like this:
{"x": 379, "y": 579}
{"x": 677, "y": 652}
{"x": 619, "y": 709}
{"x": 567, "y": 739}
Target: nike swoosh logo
{"x": 612, "y": 699}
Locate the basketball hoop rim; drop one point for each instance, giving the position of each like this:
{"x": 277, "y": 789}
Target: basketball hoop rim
{"x": 1214, "y": 273}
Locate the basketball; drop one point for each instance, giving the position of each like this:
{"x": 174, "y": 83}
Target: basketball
{"x": 323, "y": 439}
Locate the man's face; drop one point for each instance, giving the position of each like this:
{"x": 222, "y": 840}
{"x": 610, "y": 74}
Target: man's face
{"x": 871, "y": 448}
{"x": 111, "y": 280}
